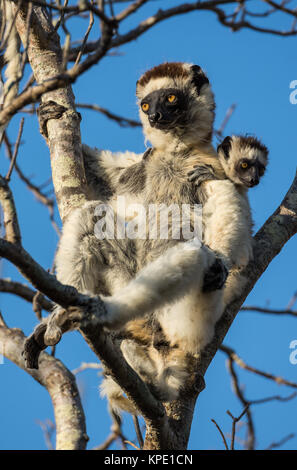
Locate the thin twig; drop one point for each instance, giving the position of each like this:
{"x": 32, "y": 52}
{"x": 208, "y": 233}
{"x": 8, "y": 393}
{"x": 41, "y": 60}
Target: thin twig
{"x": 15, "y": 152}
{"x": 234, "y": 422}
{"x": 279, "y": 380}
{"x": 91, "y": 22}
{"x": 122, "y": 121}
{"x": 85, "y": 366}
{"x": 222, "y": 434}
{"x": 275, "y": 445}
{"x": 271, "y": 311}
{"x": 138, "y": 431}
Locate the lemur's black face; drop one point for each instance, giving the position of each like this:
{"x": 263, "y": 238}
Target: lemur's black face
{"x": 165, "y": 108}
{"x": 250, "y": 171}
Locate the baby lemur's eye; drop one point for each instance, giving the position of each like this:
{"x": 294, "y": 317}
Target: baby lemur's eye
{"x": 145, "y": 107}
{"x": 244, "y": 165}
{"x": 171, "y": 98}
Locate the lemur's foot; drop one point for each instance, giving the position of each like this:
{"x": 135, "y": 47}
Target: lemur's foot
{"x": 201, "y": 173}
{"x": 33, "y": 346}
{"x": 215, "y": 277}
{"x": 47, "y": 111}
{"x": 51, "y": 110}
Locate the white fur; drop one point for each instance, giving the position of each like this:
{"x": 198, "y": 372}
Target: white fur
{"x": 227, "y": 223}
{"x": 164, "y": 280}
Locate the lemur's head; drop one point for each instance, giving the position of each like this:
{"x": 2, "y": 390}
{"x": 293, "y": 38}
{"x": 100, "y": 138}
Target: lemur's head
{"x": 244, "y": 159}
{"x": 176, "y": 102}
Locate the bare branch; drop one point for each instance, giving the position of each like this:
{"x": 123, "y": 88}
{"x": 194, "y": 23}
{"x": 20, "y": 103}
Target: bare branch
{"x": 279, "y": 380}
{"x": 275, "y": 445}
{"x": 235, "y": 421}
{"x": 271, "y": 311}
{"x": 12, "y": 229}
{"x": 85, "y": 366}
{"x": 85, "y": 39}
{"x": 23, "y": 291}
{"x": 60, "y": 383}
{"x": 15, "y": 152}
{"x": 36, "y": 190}
{"x": 221, "y": 433}
{"x": 115, "y": 434}
{"x": 130, "y": 9}
{"x": 122, "y": 121}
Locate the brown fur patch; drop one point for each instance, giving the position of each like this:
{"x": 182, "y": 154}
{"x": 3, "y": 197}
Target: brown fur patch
{"x": 251, "y": 141}
{"x": 168, "y": 69}
{"x": 139, "y": 330}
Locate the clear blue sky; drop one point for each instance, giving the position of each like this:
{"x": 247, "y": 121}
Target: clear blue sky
{"x": 250, "y": 69}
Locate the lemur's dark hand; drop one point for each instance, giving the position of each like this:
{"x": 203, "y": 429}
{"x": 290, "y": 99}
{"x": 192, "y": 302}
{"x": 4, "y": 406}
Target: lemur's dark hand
{"x": 215, "y": 277}
{"x": 50, "y": 110}
{"x": 47, "y": 111}
{"x": 201, "y": 173}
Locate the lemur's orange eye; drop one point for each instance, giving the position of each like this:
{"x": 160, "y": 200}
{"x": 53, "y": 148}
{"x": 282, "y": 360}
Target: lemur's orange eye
{"x": 244, "y": 165}
{"x": 171, "y": 98}
{"x": 145, "y": 107}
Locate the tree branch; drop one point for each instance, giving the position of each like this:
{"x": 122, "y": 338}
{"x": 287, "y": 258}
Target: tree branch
{"x": 23, "y": 291}
{"x": 60, "y": 383}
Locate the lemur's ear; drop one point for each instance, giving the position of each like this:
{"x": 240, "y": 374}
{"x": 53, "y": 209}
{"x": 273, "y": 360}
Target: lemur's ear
{"x": 225, "y": 146}
{"x": 198, "y": 77}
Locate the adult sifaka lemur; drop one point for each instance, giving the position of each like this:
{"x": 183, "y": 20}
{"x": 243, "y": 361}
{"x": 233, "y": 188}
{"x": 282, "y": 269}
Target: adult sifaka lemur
{"x": 175, "y": 281}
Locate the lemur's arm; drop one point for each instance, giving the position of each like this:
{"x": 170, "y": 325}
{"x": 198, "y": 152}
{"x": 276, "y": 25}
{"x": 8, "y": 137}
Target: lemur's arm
{"x": 108, "y": 172}
{"x": 201, "y": 173}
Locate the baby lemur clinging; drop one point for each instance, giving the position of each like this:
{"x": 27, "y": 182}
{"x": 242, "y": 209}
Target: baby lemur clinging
{"x": 178, "y": 282}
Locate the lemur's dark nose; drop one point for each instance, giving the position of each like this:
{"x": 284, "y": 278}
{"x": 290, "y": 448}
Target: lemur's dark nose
{"x": 155, "y": 117}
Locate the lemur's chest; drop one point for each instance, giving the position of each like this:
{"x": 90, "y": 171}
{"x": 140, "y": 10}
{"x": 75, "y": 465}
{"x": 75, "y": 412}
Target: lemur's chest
{"x": 167, "y": 181}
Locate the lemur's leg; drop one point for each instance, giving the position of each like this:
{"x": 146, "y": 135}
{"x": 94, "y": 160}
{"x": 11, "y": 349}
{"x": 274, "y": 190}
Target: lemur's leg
{"x": 190, "y": 322}
{"x": 165, "y": 280}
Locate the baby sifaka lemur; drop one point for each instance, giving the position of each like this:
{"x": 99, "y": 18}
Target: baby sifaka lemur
{"x": 174, "y": 280}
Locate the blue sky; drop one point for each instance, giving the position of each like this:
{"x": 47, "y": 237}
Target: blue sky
{"x": 249, "y": 69}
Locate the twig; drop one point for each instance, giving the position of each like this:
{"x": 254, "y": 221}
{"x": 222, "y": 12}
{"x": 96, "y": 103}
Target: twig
{"x": 122, "y": 121}
{"x": 11, "y": 224}
{"x": 48, "y": 429}
{"x": 274, "y": 445}
{"x": 132, "y": 444}
{"x": 130, "y": 9}
{"x": 115, "y": 434}
{"x": 260, "y": 401}
{"x": 234, "y": 422}
{"x": 36, "y": 190}
{"x": 250, "y": 441}
{"x": 85, "y": 366}
{"x": 279, "y": 380}
{"x": 222, "y": 434}
{"x": 79, "y": 55}
{"x": 292, "y": 301}
{"x": 23, "y": 291}
{"x": 138, "y": 431}
{"x": 250, "y": 308}
{"x": 15, "y": 152}
{"x": 36, "y": 304}
{"x": 4, "y": 42}
{"x": 61, "y": 19}
{"x": 225, "y": 121}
